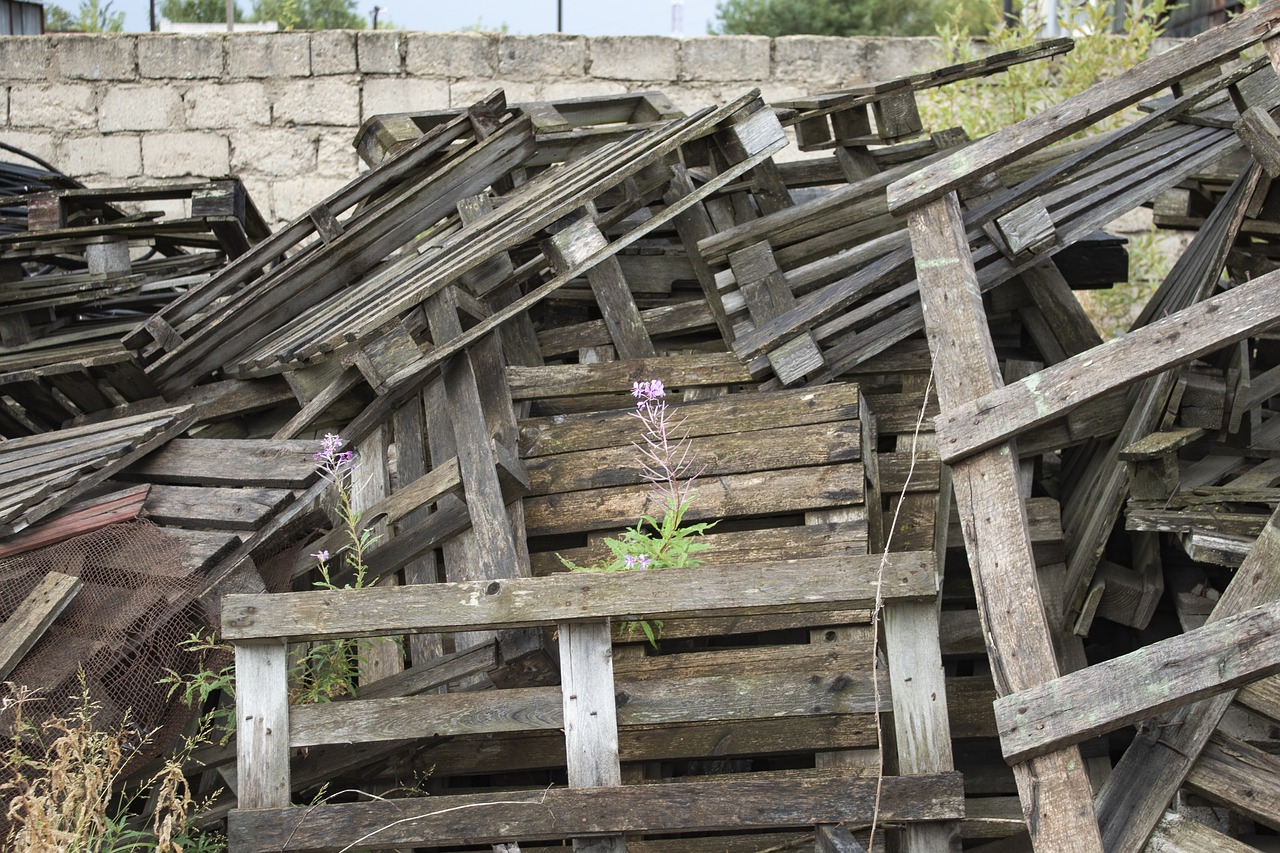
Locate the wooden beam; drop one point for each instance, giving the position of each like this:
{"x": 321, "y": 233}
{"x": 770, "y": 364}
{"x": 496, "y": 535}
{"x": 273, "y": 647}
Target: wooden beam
{"x": 1202, "y": 328}
{"x": 796, "y": 586}
{"x": 33, "y": 617}
{"x": 1141, "y": 684}
{"x": 1054, "y": 789}
{"x": 563, "y": 813}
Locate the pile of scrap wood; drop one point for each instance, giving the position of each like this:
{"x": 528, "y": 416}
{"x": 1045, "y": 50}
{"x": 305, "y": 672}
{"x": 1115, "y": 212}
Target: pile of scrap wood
{"x": 976, "y": 577}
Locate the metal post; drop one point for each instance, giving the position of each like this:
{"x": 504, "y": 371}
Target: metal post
{"x": 559, "y": 16}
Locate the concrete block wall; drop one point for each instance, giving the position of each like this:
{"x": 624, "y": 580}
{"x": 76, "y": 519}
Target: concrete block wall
{"x": 280, "y": 110}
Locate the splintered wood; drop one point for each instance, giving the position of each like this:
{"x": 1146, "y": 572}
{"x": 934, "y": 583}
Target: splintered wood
{"x": 928, "y": 479}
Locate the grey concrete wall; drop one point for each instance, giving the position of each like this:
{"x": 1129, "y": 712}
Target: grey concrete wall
{"x": 281, "y": 110}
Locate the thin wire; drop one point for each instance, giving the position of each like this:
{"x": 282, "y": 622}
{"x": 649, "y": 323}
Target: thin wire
{"x": 879, "y": 604}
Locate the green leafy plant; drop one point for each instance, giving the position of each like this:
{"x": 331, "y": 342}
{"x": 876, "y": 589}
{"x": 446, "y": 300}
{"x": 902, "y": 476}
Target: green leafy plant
{"x": 62, "y": 781}
{"x": 667, "y": 461}
{"x": 983, "y": 105}
{"x": 323, "y": 671}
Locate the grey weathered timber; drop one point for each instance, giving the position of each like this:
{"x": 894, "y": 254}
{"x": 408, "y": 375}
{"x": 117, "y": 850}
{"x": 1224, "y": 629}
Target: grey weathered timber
{"x": 1054, "y": 789}
{"x": 1240, "y": 776}
{"x": 1141, "y": 684}
{"x": 565, "y": 813}
{"x": 1170, "y": 341}
{"x": 1261, "y": 136}
{"x": 1177, "y": 833}
{"x": 641, "y": 699}
{"x": 590, "y": 716}
{"x": 796, "y": 586}
{"x": 1063, "y": 119}
{"x": 262, "y": 714}
{"x": 1155, "y": 764}
{"x": 34, "y": 615}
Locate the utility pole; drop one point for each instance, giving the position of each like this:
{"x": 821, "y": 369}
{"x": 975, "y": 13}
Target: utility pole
{"x": 231, "y": 15}
{"x": 154, "y": 27}
{"x": 559, "y": 16}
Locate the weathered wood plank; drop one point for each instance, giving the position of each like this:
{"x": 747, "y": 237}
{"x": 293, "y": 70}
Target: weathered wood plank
{"x": 590, "y": 716}
{"x": 794, "y": 586}
{"x": 1239, "y": 776}
{"x": 34, "y": 615}
{"x": 217, "y": 509}
{"x": 810, "y": 691}
{"x": 1141, "y": 684}
{"x": 564, "y": 813}
{"x": 1170, "y": 341}
{"x": 616, "y": 377}
{"x": 1055, "y": 790}
{"x": 262, "y": 711}
{"x": 85, "y": 517}
{"x": 730, "y": 495}
{"x": 231, "y": 462}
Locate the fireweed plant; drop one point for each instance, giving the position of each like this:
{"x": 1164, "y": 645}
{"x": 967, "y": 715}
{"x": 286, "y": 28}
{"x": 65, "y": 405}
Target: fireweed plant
{"x": 323, "y": 671}
{"x": 668, "y": 462}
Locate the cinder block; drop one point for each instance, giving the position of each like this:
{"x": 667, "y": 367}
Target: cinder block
{"x": 292, "y": 197}
{"x": 118, "y": 156}
{"x": 380, "y": 52}
{"x": 820, "y": 61}
{"x": 181, "y": 57}
{"x": 726, "y": 58}
{"x": 330, "y": 101}
{"x": 333, "y": 52}
{"x": 275, "y": 152}
{"x": 564, "y": 90}
{"x": 634, "y": 57}
{"x": 40, "y": 144}
{"x": 464, "y": 93}
{"x": 402, "y": 95}
{"x": 335, "y": 155}
{"x": 269, "y": 55}
{"x": 95, "y": 57}
{"x": 539, "y": 58}
{"x": 226, "y": 105}
{"x": 888, "y": 58}
{"x": 175, "y": 155}
{"x": 24, "y": 57}
{"x": 65, "y": 106}
{"x": 456, "y": 56}
{"x": 140, "y": 108}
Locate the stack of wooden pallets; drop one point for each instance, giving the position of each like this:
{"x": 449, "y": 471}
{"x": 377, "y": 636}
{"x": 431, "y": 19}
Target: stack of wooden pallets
{"x": 975, "y": 576}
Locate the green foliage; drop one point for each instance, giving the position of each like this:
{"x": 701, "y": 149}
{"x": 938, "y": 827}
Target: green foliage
{"x": 983, "y": 105}
{"x": 1114, "y": 309}
{"x": 198, "y": 11}
{"x": 667, "y": 462}
{"x": 844, "y": 17}
{"x": 93, "y": 16}
{"x": 310, "y": 14}
{"x": 479, "y": 27}
{"x": 321, "y": 672}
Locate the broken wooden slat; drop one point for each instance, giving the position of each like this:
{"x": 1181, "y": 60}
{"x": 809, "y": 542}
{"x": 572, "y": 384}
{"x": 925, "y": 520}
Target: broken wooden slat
{"x": 84, "y": 517}
{"x": 33, "y": 616}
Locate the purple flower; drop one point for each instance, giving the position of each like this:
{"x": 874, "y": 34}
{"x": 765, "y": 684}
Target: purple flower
{"x": 641, "y": 562}
{"x": 321, "y": 555}
{"x": 647, "y": 392}
{"x": 331, "y": 455}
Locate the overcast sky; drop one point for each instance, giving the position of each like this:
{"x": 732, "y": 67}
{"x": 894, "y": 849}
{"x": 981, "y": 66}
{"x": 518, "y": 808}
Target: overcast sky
{"x": 526, "y": 17}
